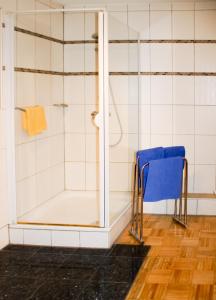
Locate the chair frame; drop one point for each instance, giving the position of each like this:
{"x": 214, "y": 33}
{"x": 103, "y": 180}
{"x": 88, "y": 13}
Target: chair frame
{"x": 136, "y": 229}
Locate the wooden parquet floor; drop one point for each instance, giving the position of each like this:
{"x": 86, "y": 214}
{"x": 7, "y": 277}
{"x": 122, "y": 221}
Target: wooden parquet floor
{"x": 181, "y": 264}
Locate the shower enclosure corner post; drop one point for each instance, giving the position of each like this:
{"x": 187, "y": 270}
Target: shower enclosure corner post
{"x": 103, "y": 112}
{"x": 106, "y": 119}
{"x": 9, "y": 100}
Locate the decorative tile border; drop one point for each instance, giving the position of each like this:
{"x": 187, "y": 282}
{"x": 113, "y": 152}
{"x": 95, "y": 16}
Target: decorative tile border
{"x": 39, "y": 35}
{"x": 37, "y": 71}
{"x": 125, "y": 41}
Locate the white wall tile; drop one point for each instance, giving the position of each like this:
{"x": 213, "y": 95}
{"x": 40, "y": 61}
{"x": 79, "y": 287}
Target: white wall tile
{"x": 162, "y": 140}
{"x": 26, "y": 21}
{"x": 42, "y": 54}
{"x": 92, "y": 176}
{"x": 26, "y": 195}
{"x": 91, "y": 25}
{"x": 138, "y": 6}
{"x": 118, "y": 57}
{"x": 57, "y": 54}
{"x": 25, "y": 57}
{"x": 160, "y": 24}
{"x": 161, "y": 89}
{"x": 75, "y": 119}
{"x": 91, "y": 58}
{"x": 139, "y": 21}
{"x": 183, "y": 24}
{"x": 43, "y": 21}
{"x": 133, "y": 90}
{"x": 206, "y": 207}
{"x": 145, "y": 87}
{"x": 43, "y": 186}
{"x": 205, "y": 149}
{"x": 204, "y": 178}
{"x": 75, "y": 176}
{"x": 183, "y": 90}
{"x": 74, "y": 89}
{"x": 37, "y": 237}
{"x": 94, "y": 239}
{"x": 56, "y": 145}
{"x": 92, "y": 147}
{"x": 75, "y": 147}
{"x": 145, "y": 141}
{"x": 186, "y": 5}
{"x": 145, "y": 119}
{"x": 188, "y": 142}
{"x": 205, "y": 120}
{"x": 205, "y": 5}
{"x": 119, "y": 179}
{"x": 205, "y": 25}
{"x": 74, "y": 58}
{"x": 183, "y": 57}
{"x": 8, "y": 5}
{"x": 65, "y": 238}
{"x": 160, "y": 6}
{"x": 57, "y": 23}
{"x": 191, "y": 177}
{"x": 74, "y": 26}
{"x": 118, "y": 28}
{"x": 205, "y": 91}
{"x": 91, "y": 89}
{"x": 56, "y": 120}
{"x": 57, "y": 94}
{"x": 119, "y": 153}
{"x": 43, "y": 89}
{"x": 25, "y": 160}
{"x": 205, "y": 58}
{"x": 57, "y": 180}
{"x": 16, "y": 236}
{"x": 133, "y": 146}
{"x": 145, "y": 57}
{"x": 154, "y": 207}
{"x": 25, "y": 89}
{"x": 161, "y": 119}
{"x": 161, "y": 57}
{"x": 42, "y": 154}
{"x": 120, "y": 89}
{"x": 183, "y": 119}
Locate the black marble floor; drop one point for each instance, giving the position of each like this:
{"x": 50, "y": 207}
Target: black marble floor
{"x": 30, "y": 272}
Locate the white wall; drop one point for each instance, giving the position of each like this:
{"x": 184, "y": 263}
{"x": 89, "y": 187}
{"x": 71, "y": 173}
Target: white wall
{"x": 39, "y": 159}
{"x": 31, "y": 153}
{"x": 175, "y": 110}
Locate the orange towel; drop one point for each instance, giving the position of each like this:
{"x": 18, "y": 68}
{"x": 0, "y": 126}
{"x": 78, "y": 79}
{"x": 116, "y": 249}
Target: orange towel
{"x": 34, "y": 120}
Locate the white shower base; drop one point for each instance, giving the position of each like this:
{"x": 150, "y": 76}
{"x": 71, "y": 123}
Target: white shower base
{"x": 45, "y": 225}
{"x": 75, "y": 208}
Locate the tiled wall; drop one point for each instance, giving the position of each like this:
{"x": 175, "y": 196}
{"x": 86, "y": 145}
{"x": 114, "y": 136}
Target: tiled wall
{"x": 81, "y": 94}
{"x": 39, "y": 159}
{"x": 175, "y": 109}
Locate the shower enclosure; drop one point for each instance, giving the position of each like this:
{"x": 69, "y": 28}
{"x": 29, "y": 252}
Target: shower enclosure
{"x": 82, "y": 67}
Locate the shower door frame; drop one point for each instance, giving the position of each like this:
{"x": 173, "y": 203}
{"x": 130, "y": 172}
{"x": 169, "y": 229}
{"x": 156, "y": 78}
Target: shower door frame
{"x": 103, "y": 114}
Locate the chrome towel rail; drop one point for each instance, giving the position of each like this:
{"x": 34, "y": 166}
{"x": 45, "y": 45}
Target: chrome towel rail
{"x": 20, "y": 108}
{"x": 61, "y": 105}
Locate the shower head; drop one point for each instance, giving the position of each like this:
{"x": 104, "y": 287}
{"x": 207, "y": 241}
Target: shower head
{"x": 95, "y": 36}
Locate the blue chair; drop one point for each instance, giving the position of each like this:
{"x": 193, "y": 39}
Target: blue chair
{"x": 158, "y": 176}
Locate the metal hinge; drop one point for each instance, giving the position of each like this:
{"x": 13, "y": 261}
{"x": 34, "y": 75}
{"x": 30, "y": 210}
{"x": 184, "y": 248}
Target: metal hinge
{"x": 3, "y": 68}
{"x": 3, "y": 25}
